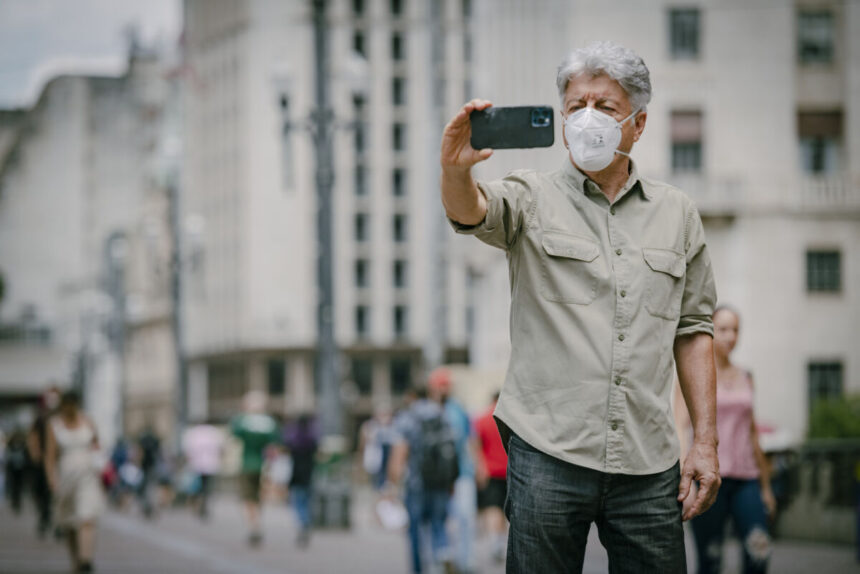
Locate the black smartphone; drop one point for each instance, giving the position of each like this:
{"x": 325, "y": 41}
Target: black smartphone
{"x": 513, "y": 127}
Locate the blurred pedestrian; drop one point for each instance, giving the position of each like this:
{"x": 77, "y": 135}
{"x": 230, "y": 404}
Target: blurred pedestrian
{"x": 16, "y": 463}
{"x": 376, "y": 438}
{"x": 256, "y": 430}
{"x": 464, "y": 501}
{"x": 149, "y": 446}
{"x": 745, "y": 495}
{"x": 36, "y": 443}
{"x": 492, "y": 481}
{"x": 424, "y": 457}
{"x": 301, "y": 440}
{"x": 71, "y": 446}
{"x": 202, "y": 445}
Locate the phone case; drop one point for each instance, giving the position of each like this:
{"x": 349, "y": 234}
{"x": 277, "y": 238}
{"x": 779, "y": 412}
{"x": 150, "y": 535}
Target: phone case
{"x": 512, "y": 127}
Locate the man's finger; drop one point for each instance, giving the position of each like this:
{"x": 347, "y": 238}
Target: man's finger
{"x": 684, "y": 486}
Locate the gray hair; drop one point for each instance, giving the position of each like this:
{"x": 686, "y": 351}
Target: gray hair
{"x": 617, "y": 62}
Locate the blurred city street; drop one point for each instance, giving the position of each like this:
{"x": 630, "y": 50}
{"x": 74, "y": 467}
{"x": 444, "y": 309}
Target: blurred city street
{"x": 177, "y": 543}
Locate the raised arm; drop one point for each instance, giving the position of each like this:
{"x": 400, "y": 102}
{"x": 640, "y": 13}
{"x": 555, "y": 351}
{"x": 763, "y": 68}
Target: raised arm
{"x": 462, "y": 200}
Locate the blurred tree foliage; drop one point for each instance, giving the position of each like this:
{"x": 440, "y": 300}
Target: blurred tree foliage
{"x": 836, "y": 418}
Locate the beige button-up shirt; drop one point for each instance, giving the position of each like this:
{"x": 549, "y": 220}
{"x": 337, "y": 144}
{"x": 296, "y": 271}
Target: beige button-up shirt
{"x": 599, "y": 293}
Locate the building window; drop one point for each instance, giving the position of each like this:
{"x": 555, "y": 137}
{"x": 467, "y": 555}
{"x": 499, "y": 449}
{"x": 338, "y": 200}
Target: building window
{"x": 401, "y": 321}
{"x": 277, "y": 377}
{"x": 467, "y": 9}
{"x": 397, "y": 47}
{"x": 396, "y": 7}
{"x": 362, "y": 273}
{"x": 686, "y": 141}
{"x": 360, "y": 129}
{"x": 820, "y": 140}
{"x": 358, "y": 7}
{"x": 362, "y": 375}
{"x": 823, "y": 271}
{"x": 399, "y": 137}
{"x": 398, "y": 182}
{"x": 816, "y": 32}
{"x": 362, "y": 230}
{"x": 684, "y": 33}
{"x": 360, "y": 180}
{"x": 400, "y": 371}
{"x": 400, "y": 273}
{"x": 362, "y": 320}
{"x": 825, "y": 382}
{"x": 398, "y": 91}
{"x": 399, "y": 227}
{"x": 358, "y": 44}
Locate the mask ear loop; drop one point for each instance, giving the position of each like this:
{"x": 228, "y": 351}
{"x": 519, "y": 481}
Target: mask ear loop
{"x": 621, "y": 123}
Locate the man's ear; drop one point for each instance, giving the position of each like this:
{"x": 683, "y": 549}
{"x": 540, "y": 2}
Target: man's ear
{"x": 639, "y": 125}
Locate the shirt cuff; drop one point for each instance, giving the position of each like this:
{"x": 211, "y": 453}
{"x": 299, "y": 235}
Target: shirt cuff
{"x": 491, "y": 218}
{"x": 693, "y": 324}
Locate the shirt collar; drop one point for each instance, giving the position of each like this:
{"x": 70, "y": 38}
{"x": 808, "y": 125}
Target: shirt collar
{"x": 581, "y": 181}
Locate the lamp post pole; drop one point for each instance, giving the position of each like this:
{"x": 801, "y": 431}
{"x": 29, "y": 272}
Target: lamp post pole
{"x": 322, "y": 127}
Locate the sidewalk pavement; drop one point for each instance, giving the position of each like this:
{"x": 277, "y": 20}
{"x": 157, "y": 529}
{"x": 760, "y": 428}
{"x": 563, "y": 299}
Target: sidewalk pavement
{"x": 178, "y": 543}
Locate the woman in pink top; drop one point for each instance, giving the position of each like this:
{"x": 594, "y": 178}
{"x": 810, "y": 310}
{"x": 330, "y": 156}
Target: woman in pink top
{"x": 745, "y": 494}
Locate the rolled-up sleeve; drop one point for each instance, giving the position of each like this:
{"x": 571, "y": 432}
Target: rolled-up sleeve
{"x": 509, "y": 207}
{"x": 700, "y": 294}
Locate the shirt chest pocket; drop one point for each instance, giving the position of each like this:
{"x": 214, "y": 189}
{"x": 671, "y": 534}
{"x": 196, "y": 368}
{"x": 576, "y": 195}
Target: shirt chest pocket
{"x": 664, "y": 282}
{"x": 569, "y": 268}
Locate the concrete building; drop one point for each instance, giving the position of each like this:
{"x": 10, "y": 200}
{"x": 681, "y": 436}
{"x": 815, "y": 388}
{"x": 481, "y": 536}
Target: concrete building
{"x": 756, "y": 115}
{"x": 74, "y": 171}
{"x": 397, "y": 70}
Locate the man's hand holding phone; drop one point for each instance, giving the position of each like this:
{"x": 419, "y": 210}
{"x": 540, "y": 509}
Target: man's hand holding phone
{"x": 457, "y": 151}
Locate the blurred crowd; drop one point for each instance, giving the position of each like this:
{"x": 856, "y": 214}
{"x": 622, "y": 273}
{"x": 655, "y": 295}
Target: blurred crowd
{"x": 434, "y": 470}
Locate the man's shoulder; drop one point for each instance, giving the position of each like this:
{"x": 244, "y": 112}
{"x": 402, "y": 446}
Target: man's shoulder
{"x": 663, "y": 191}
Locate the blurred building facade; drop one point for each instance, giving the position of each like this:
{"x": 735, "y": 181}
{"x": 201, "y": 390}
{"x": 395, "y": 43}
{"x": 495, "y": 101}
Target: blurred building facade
{"x": 77, "y": 172}
{"x": 755, "y": 115}
{"x": 401, "y": 293}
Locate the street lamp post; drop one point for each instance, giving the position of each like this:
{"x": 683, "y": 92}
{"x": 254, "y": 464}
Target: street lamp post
{"x": 322, "y": 127}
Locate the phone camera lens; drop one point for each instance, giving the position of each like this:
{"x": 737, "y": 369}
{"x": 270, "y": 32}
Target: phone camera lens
{"x": 540, "y": 117}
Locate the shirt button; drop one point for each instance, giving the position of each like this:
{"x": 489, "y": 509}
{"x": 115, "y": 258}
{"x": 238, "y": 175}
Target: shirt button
{"x": 617, "y": 252}
{"x": 621, "y": 337}
{"x": 614, "y": 426}
{"x": 623, "y": 293}
{"x": 612, "y": 211}
{"x": 617, "y": 381}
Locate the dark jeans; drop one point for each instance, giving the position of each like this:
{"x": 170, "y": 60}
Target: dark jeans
{"x": 300, "y": 497}
{"x": 551, "y": 505}
{"x": 42, "y": 495}
{"x": 427, "y": 507}
{"x": 740, "y": 499}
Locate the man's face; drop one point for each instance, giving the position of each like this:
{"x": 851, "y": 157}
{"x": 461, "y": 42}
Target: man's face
{"x": 604, "y": 95}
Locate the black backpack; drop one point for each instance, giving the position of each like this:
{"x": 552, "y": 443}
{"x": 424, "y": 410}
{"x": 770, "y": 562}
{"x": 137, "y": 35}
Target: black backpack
{"x": 440, "y": 466}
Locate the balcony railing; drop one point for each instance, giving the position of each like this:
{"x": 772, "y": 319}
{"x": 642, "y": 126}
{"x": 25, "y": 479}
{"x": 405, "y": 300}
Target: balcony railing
{"x": 829, "y": 192}
{"x": 717, "y": 196}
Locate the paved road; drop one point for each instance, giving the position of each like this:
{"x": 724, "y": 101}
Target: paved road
{"x": 177, "y": 543}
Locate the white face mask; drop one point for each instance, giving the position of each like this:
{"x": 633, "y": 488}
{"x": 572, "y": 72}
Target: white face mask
{"x": 593, "y": 138}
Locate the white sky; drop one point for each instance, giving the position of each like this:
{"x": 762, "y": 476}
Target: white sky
{"x": 41, "y": 38}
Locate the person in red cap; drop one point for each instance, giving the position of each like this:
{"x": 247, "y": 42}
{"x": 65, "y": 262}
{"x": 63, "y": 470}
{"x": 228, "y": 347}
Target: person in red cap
{"x": 492, "y": 481}
{"x": 464, "y": 502}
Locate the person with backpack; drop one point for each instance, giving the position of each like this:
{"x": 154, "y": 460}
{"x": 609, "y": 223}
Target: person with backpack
{"x": 424, "y": 457}
{"x": 463, "y": 506}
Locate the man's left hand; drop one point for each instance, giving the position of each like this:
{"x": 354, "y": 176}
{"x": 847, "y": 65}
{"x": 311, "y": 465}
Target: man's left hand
{"x": 701, "y": 465}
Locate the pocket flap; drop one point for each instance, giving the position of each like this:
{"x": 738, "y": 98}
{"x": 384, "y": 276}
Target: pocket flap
{"x": 665, "y": 261}
{"x": 570, "y": 246}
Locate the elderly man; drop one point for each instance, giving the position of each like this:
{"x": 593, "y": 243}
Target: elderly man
{"x": 610, "y": 278}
